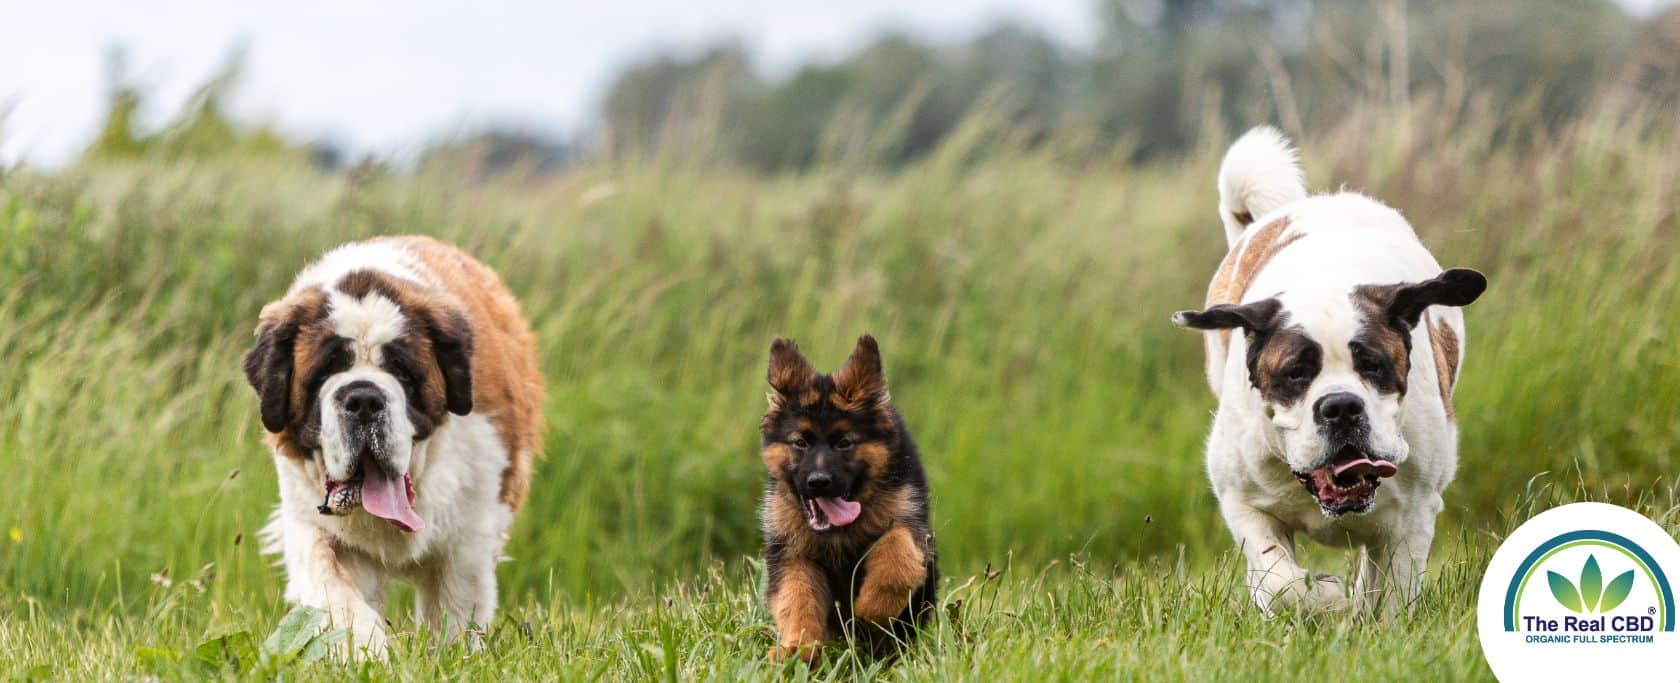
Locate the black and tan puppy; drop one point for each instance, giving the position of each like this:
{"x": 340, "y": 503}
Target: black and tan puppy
{"x": 847, "y": 532}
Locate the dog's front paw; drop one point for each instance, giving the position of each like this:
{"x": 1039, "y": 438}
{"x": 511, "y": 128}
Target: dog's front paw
{"x": 370, "y": 643}
{"x": 366, "y": 638}
{"x": 1304, "y": 592}
{"x": 810, "y": 653}
{"x": 1327, "y": 593}
{"x": 880, "y": 606}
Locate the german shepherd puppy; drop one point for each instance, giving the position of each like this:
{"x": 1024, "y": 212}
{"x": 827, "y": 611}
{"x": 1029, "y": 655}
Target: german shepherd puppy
{"x": 847, "y": 531}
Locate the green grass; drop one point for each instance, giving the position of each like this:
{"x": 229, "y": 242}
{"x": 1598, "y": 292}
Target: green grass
{"x": 1021, "y": 302}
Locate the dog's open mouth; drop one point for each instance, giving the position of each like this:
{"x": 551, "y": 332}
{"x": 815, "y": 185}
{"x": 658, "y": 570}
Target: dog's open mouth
{"x": 1348, "y": 482}
{"x": 379, "y": 493}
{"x": 823, "y": 514}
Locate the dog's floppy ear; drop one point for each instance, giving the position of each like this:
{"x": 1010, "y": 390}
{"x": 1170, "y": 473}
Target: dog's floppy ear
{"x": 1403, "y": 304}
{"x": 269, "y": 366}
{"x": 452, "y": 344}
{"x": 861, "y": 381}
{"x": 790, "y": 373}
{"x": 1254, "y": 318}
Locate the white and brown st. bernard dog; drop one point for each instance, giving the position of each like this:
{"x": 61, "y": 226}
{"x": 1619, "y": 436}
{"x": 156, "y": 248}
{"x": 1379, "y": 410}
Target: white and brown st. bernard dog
{"x": 1335, "y": 391}
{"x": 398, "y": 382}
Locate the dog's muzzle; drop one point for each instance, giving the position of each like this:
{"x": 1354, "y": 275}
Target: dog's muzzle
{"x": 1347, "y": 481}
{"x": 374, "y": 485}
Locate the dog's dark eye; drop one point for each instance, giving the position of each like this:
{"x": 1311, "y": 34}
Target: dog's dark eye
{"x": 800, "y": 443}
{"x": 1364, "y": 361}
{"x": 843, "y": 443}
{"x": 1299, "y": 374}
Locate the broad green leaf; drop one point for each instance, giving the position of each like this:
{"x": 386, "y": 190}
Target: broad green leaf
{"x": 1564, "y": 591}
{"x": 294, "y": 632}
{"x": 1617, "y": 591}
{"x": 1592, "y": 583}
{"x": 236, "y": 650}
{"x": 321, "y": 644}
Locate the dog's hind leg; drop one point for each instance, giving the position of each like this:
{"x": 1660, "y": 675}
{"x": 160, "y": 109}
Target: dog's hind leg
{"x": 1276, "y": 580}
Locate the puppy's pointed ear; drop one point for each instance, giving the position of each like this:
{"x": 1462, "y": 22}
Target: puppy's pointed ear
{"x": 861, "y": 380}
{"x": 789, "y": 372}
{"x": 1257, "y": 317}
{"x": 269, "y": 365}
{"x": 1403, "y": 304}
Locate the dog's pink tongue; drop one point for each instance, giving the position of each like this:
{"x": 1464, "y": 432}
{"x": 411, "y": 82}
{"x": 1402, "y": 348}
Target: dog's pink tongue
{"x": 386, "y": 497}
{"x": 1365, "y": 466}
{"x": 839, "y": 511}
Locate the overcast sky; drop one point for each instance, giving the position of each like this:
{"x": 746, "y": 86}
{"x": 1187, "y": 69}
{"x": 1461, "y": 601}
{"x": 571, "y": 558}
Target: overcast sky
{"x": 384, "y": 77}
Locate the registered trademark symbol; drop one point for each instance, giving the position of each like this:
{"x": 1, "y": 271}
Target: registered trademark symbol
{"x": 1651, "y": 610}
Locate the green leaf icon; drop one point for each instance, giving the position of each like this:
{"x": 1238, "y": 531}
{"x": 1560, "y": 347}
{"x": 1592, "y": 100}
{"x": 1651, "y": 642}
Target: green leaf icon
{"x": 1617, "y": 591}
{"x": 1564, "y": 591}
{"x": 1592, "y": 583}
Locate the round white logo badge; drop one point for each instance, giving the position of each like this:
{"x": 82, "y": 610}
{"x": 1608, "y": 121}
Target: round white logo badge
{"x": 1581, "y": 592}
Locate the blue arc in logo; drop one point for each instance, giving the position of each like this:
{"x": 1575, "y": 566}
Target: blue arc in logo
{"x": 1527, "y": 566}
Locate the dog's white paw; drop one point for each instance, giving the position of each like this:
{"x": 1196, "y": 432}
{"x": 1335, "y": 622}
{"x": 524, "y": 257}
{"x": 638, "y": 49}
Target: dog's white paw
{"x": 1302, "y": 592}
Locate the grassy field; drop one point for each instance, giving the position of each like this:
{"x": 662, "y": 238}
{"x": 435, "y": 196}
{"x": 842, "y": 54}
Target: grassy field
{"x": 1021, "y": 300}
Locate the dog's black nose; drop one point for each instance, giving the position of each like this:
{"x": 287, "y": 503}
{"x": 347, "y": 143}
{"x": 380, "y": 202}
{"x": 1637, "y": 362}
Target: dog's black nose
{"x": 818, "y": 482}
{"x": 362, "y": 399}
{"x": 1339, "y": 409}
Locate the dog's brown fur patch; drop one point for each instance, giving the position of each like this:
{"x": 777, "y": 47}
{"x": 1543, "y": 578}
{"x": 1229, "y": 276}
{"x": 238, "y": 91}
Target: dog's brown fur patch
{"x": 1245, "y": 260}
{"x": 1236, "y": 273}
{"x": 1445, "y": 342}
{"x": 776, "y": 456}
{"x": 875, "y": 456}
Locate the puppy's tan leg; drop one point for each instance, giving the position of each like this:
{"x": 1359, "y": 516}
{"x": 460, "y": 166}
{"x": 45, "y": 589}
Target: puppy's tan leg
{"x": 893, "y": 571}
{"x": 800, "y": 605}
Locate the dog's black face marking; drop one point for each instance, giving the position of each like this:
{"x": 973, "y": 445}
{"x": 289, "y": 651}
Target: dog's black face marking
{"x": 334, "y": 356}
{"x": 1383, "y": 371}
{"x": 1283, "y": 364}
{"x": 400, "y": 360}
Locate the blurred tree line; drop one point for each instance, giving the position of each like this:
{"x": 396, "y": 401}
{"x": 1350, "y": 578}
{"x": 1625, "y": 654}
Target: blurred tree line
{"x": 1162, "y": 77}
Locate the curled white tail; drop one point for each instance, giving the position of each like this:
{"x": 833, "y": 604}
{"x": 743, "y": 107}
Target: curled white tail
{"x": 1260, "y": 173}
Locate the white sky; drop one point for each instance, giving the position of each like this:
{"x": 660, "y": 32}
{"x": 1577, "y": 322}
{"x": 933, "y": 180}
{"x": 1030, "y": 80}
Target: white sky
{"x": 385, "y": 77}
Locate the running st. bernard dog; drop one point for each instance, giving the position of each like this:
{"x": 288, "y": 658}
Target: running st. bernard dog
{"x": 1335, "y": 395}
{"x": 398, "y": 382}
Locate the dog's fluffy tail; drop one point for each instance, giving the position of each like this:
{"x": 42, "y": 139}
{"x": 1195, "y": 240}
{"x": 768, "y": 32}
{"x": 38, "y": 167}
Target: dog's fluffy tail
{"x": 1260, "y": 173}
